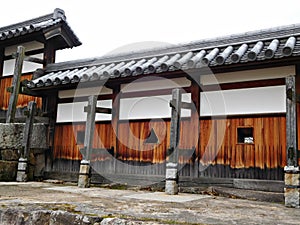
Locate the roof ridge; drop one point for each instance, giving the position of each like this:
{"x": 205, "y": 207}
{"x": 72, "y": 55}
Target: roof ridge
{"x": 221, "y": 41}
{"x": 57, "y": 14}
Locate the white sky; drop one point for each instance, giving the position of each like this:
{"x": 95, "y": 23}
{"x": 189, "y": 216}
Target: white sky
{"x": 103, "y": 26}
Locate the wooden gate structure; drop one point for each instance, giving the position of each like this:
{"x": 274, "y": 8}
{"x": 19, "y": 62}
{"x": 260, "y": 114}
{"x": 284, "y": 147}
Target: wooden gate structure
{"x": 257, "y": 73}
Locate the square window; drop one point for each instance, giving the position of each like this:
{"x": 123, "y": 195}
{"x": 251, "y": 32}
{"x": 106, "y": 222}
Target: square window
{"x": 80, "y": 137}
{"x": 245, "y": 135}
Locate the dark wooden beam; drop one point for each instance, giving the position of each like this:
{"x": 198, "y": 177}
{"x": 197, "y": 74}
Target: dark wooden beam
{"x": 90, "y": 126}
{"x": 115, "y": 118}
{"x": 84, "y": 98}
{"x": 28, "y": 53}
{"x": 49, "y": 53}
{"x": 49, "y": 109}
{"x": 150, "y": 93}
{"x": 98, "y": 110}
{"x": 10, "y": 117}
{"x": 1, "y": 60}
{"x": 175, "y": 125}
{"x": 291, "y": 122}
{"x": 28, "y": 129}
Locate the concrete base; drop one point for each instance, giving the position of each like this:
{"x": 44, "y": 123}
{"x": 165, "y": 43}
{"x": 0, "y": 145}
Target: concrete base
{"x": 171, "y": 186}
{"x": 84, "y": 179}
{"x": 22, "y": 170}
{"x": 292, "y": 186}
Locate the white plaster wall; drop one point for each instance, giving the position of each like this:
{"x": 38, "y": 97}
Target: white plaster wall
{"x": 248, "y": 75}
{"x": 74, "y": 112}
{"x": 150, "y": 107}
{"x": 243, "y": 101}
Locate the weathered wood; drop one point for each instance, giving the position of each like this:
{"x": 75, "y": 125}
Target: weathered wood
{"x": 175, "y": 125}
{"x": 183, "y": 105}
{"x": 291, "y": 122}
{"x": 1, "y": 61}
{"x": 34, "y": 60}
{"x": 90, "y": 126}
{"x": 98, "y": 110}
{"x": 28, "y": 129}
{"x": 10, "y": 117}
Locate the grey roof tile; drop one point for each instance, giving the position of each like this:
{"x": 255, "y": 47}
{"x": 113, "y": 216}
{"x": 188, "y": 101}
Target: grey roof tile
{"x": 274, "y": 43}
{"x": 37, "y": 24}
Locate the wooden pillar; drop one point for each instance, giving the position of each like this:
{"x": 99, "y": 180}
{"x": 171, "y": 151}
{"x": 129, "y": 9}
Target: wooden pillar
{"x": 195, "y": 123}
{"x": 10, "y": 116}
{"x": 50, "y": 110}
{"x": 292, "y": 173}
{"x": 171, "y": 186}
{"x": 115, "y": 121}
{"x": 2, "y": 52}
{"x": 85, "y": 169}
{"x": 49, "y": 53}
{"x": 22, "y": 173}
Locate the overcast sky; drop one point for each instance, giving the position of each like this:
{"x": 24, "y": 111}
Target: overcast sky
{"x": 103, "y": 26}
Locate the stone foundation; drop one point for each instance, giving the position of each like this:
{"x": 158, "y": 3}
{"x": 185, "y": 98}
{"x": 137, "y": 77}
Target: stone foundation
{"x": 171, "y": 186}
{"x": 11, "y": 138}
{"x": 84, "y": 179}
{"x": 292, "y": 186}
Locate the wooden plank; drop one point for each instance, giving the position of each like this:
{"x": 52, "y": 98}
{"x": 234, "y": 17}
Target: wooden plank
{"x": 10, "y": 117}
{"x": 34, "y": 60}
{"x": 28, "y": 129}
{"x": 90, "y": 126}
{"x": 291, "y": 122}
{"x": 98, "y": 110}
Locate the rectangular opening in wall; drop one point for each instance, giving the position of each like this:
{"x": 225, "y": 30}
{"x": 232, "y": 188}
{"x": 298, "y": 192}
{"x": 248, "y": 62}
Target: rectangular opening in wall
{"x": 80, "y": 137}
{"x": 245, "y": 135}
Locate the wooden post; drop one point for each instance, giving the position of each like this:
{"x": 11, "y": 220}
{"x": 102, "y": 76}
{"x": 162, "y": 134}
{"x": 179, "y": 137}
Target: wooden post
{"x": 171, "y": 186}
{"x": 85, "y": 169}
{"x": 1, "y": 61}
{"x": 10, "y": 117}
{"x": 114, "y": 122}
{"x": 292, "y": 172}
{"x": 291, "y": 122}
{"x": 195, "y": 122}
{"x": 23, "y": 160}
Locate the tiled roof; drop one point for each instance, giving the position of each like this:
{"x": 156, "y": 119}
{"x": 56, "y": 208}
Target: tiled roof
{"x": 254, "y": 46}
{"x": 37, "y": 24}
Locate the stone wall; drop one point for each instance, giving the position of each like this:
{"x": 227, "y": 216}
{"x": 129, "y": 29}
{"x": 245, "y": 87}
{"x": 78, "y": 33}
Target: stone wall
{"x": 11, "y": 138}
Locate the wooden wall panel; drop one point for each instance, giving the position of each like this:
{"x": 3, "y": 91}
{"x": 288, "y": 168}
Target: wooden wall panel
{"x": 65, "y": 143}
{"x": 219, "y": 150}
{"x": 132, "y": 136}
{"x": 23, "y": 100}
{"x": 267, "y": 151}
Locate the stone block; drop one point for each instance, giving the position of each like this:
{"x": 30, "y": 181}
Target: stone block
{"x": 11, "y": 136}
{"x": 292, "y": 179}
{"x": 292, "y": 197}
{"x": 10, "y": 154}
{"x": 171, "y": 187}
{"x": 39, "y": 167}
{"x": 8, "y": 170}
{"x": 84, "y": 181}
{"x": 22, "y": 165}
{"x": 22, "y": 176}
{"x": 171, "y": 173}
{"x": 84, "y": 169}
